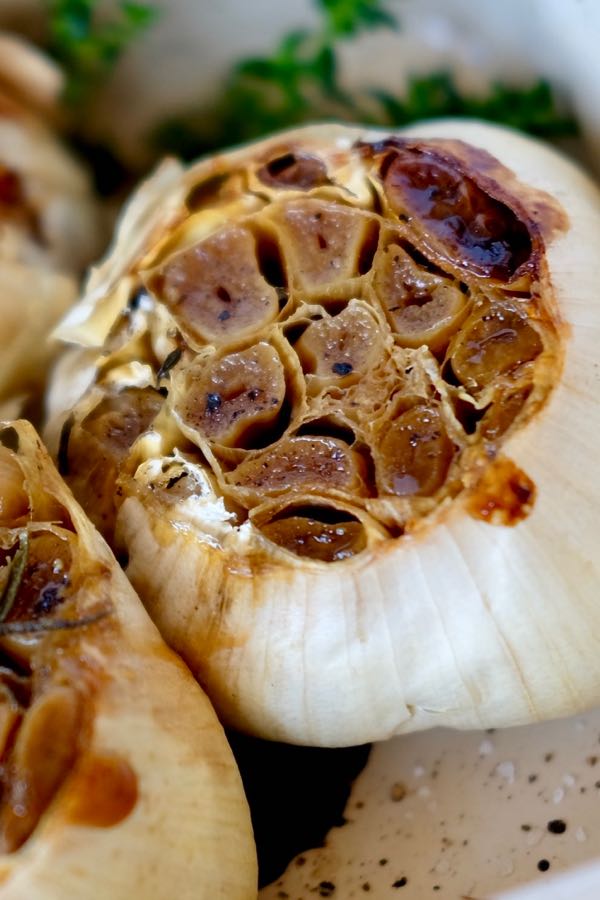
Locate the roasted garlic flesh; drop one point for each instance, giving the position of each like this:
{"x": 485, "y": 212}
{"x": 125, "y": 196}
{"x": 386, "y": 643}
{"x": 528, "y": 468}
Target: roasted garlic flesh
{"x": 337, "y": 345}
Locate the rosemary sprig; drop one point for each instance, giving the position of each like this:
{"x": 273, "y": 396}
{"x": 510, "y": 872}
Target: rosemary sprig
{"x": 15, "y": 576}
{"x": 32, "y": 626}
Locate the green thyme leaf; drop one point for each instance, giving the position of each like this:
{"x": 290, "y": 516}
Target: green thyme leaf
{"x": 532, "y": 108}
{"x": 345, "y": 18}
{"x": 298, "y": 83}
{"x": 88, "y": 47}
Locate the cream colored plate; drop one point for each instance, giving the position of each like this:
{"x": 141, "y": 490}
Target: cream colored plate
{"x": 463, "y": 816}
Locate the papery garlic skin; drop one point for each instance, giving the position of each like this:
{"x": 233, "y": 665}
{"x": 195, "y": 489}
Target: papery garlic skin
{"x": 458, "y": 622}
{"x": 152, "y": 805}
{"x": 49, "y": 222}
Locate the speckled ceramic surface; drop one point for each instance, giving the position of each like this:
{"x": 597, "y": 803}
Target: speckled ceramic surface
{"x": 463, "y": 816}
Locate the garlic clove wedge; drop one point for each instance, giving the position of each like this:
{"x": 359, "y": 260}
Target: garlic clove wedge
{"x": 117, "y": 779}
{"x": 452, "y": 579}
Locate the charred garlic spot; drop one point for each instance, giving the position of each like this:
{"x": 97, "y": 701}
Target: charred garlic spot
{"x": 474, "y": 229}
{"x": 362, "y": 331}
{"x": 294, "y": 171}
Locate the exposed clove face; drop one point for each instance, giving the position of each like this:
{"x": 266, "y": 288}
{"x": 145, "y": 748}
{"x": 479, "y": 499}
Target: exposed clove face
{"x": 362, "y": 328}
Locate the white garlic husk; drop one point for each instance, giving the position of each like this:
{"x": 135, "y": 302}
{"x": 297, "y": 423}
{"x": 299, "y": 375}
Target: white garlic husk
{"x": 457, "y": 622}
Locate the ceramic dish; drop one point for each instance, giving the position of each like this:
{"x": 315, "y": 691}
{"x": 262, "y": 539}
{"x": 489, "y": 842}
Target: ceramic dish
{"x": 464, "y": 816}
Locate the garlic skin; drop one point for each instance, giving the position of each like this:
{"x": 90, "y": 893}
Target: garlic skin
{"x": 152, "y": 804}
{"x": 49, "y": 222}
{"x": 459, "y": 622}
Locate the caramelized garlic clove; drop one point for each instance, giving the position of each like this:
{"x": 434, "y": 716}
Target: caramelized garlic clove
{"x": 43, "y": 755}
{"x": 215, "y": 289}
{"x": 307, "y": 537}
{"x": 301, "y": 464}
{"x": 422, "y": 308}
{"x": 471, "y": 227}
{"x": 322, "y": 242}
{"x": 97, "y": 447}
{"x": 293, "y": 171}
{"x": 413, "y": 453}
{"x": 233, "y": 400}
{"x": 494, "y": 340}
{"x": 340, "y": 349}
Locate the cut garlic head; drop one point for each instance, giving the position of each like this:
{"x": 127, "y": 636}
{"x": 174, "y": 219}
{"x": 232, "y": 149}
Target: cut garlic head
{"x": 342, "y": 421}
{"x": 117, "y": 780}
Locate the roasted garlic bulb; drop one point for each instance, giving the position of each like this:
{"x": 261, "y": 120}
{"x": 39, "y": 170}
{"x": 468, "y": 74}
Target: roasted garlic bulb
{"x": 49, "y": 228}
{"x": 117, "y": 780}
{"x": 341, "y": 418}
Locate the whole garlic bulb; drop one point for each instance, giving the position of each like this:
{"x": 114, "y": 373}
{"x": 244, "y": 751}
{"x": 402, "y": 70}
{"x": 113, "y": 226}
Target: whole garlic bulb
{"x": 49, "y": 224}
{"x": 341, "y": 418}
{"x": 117, "y": 780}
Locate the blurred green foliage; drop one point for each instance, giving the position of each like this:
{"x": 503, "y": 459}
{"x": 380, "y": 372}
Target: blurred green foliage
{"x": 531, "y": 108}
{"x": 345, "y": 18}
{"x": 298, "y": 83}
{"x": 88, "y": 46}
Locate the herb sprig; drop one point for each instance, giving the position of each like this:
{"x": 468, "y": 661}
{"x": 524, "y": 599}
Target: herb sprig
{"x": 296, "y": 83}
{"x": 88, "y": 46}
{"x": 532, "y": 108}
{"x": 15, "y": 576}
{"x": 299, "y": 82}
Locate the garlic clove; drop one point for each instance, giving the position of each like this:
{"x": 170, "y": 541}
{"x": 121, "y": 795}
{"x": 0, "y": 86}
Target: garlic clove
{"x": 117, "y": 779}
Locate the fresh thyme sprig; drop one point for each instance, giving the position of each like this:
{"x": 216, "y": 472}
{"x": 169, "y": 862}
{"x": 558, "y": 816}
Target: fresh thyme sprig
{"x": 299, "y": 83}
{"x": 532, "y": 108}
{"x": 88, "y": 46}
{"x": 296, "y": 83}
